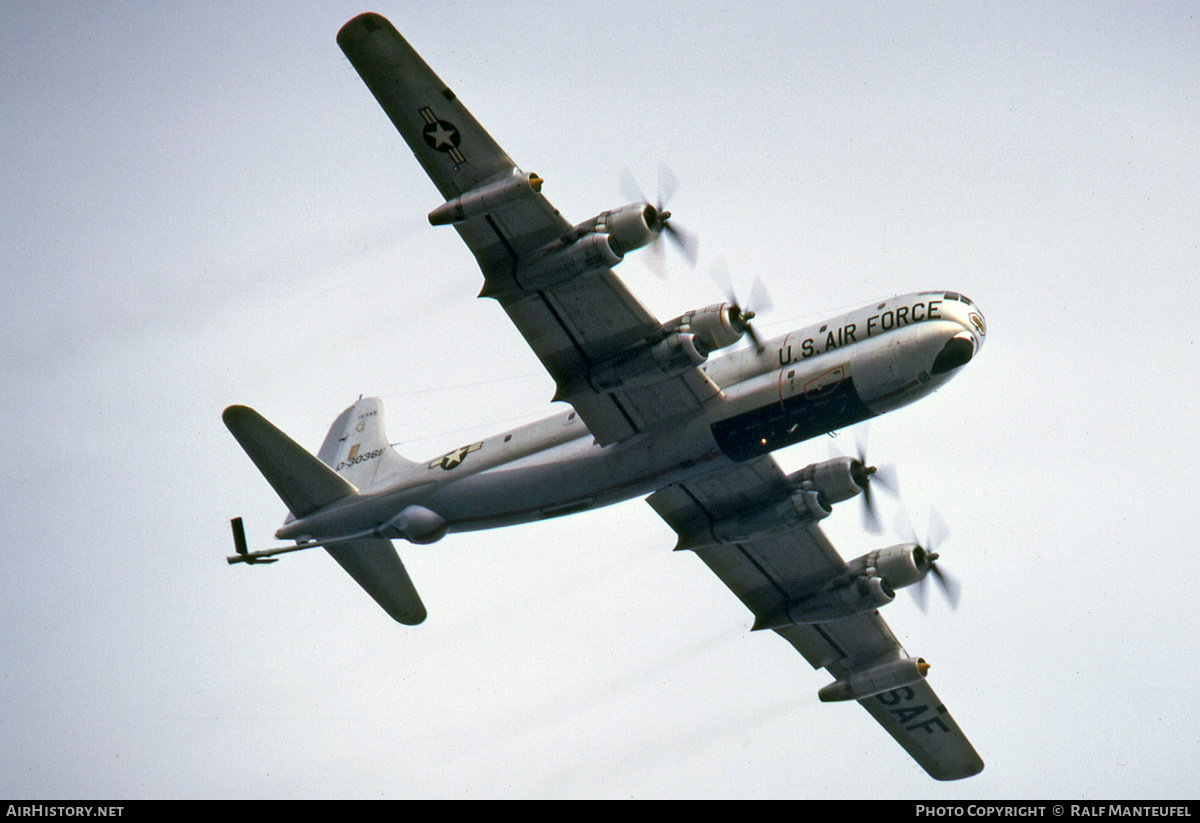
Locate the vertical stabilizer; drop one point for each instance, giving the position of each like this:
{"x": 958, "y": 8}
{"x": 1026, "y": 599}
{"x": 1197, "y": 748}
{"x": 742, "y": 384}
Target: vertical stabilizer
{"x": 357, "y": 447}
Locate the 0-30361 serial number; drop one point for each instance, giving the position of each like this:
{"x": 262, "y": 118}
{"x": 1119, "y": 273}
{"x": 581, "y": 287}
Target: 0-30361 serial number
{"x": 360, "y": 458}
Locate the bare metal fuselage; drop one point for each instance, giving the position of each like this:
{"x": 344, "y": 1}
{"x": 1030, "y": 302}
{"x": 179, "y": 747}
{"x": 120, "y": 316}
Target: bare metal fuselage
{"x": 805, "y": 383}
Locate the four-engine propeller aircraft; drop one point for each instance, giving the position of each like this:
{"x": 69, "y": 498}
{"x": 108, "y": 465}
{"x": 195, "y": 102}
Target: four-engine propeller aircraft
{"x": 653, "y": 412}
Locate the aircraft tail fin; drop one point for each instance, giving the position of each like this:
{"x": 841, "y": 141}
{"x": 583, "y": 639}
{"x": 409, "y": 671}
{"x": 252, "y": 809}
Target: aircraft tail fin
{"x": 304, "y": 483}
{"x": 357, "y": 447}
{"x": 307, "y": 483}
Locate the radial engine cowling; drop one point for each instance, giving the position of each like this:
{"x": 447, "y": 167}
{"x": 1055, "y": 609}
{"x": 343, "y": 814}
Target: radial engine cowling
{"x": 715, "y": 326}
{"x": 900, "y": 566}
{"x": 837, "y": 480}
{"x": 629, "y": 227}
{"x": 869, "y": 582}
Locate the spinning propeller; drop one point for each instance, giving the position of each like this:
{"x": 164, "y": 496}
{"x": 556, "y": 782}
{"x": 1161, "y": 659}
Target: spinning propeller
{"x": 936, "y": 535}
{"x": 883, "y": 476}
{"x": 658, "y": 217}
{"x": 759, "y": 299}
{"x": 868, "y": 476}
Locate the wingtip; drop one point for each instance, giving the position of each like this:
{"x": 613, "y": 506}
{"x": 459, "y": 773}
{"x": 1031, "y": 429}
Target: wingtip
{"x": 234, "y": 413}
{"x": 414, "y": 619}
{"x": 961, "y": 773}
{"x": 369, "y": 21}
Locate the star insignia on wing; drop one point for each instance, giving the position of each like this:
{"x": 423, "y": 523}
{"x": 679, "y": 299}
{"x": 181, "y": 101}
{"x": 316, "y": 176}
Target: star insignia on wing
{"x": 441, "y": 135}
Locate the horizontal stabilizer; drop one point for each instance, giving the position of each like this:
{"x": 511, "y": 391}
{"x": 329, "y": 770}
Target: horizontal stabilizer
{"x": 303, "y": 482}
{"x": 375, "y": 565}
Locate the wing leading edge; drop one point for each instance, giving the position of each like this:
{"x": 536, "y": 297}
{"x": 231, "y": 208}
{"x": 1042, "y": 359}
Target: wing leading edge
{"x": 768, "y": 569}
{"x": 572, "y": 310}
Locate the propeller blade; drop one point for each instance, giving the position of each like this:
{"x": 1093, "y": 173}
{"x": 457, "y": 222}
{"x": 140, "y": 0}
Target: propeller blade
{"x": 949, "y": 585}
{"x": 684, "y": 241}
{"x": 919, "y": 594}
{"x": 883, "y": 477}
{"x": 668, "y": 184}
{"x": 937, "y": 534}
{"x": 870, "y": 515}
{"x": 655, "y": 260}
{"x": 630, "y": 190}
{"x": 904, "y": 527}
{"x": 760, "y": 300}
{"x": 719, "y": 272}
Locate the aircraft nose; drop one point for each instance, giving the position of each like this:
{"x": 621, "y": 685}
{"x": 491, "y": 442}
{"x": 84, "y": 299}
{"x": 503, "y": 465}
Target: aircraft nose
{"x": 977, "y": 324}
{"x": 957, "y": 352}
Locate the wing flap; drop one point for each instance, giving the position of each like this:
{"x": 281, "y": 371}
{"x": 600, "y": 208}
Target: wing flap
{"x": 843, "y": 646}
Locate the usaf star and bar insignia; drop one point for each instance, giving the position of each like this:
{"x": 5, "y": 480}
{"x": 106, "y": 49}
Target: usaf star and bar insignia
{"x": 451, "y": 460}
{"x": 442, "y": 135}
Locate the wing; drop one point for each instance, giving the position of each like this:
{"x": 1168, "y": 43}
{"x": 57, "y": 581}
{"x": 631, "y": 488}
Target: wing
{"x": 780, "y": 559}
{"x": 577, "y": 323}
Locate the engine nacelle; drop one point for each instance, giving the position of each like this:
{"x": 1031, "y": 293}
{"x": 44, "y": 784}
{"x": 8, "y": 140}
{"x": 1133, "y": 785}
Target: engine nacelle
{"x": 869, "y": 582}
{"x": 565, "y": 261}
{"x": 593, "y": 245}
{"x": 715, "y": 326}
{"x": 870, "y": 682}
{"x": 838, "y": 479}
{"x": 629, "y": 227}
{"x": 802, "y": 507}
{"x": 648, "y": 365}
{"x": 845, "y": 598}
{"x": 900, "y": 566}
{"x": 797, "y": 509}
{"x": 486, "y": 198}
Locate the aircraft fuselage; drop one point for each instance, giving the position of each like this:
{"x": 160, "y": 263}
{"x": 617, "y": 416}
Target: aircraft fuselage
{"x": 809, "y": 382}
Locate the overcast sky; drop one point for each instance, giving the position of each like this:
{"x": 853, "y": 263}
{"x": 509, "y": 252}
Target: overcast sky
{"x": 203, "y": 205}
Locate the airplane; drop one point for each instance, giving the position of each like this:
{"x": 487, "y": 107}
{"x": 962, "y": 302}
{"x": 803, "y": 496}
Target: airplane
{"x": 656, "y": 410}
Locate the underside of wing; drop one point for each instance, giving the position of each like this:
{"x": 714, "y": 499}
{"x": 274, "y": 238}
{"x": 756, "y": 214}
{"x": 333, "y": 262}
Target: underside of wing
{"x": 758, "y": 532}
{"x": 553, "y": 279}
